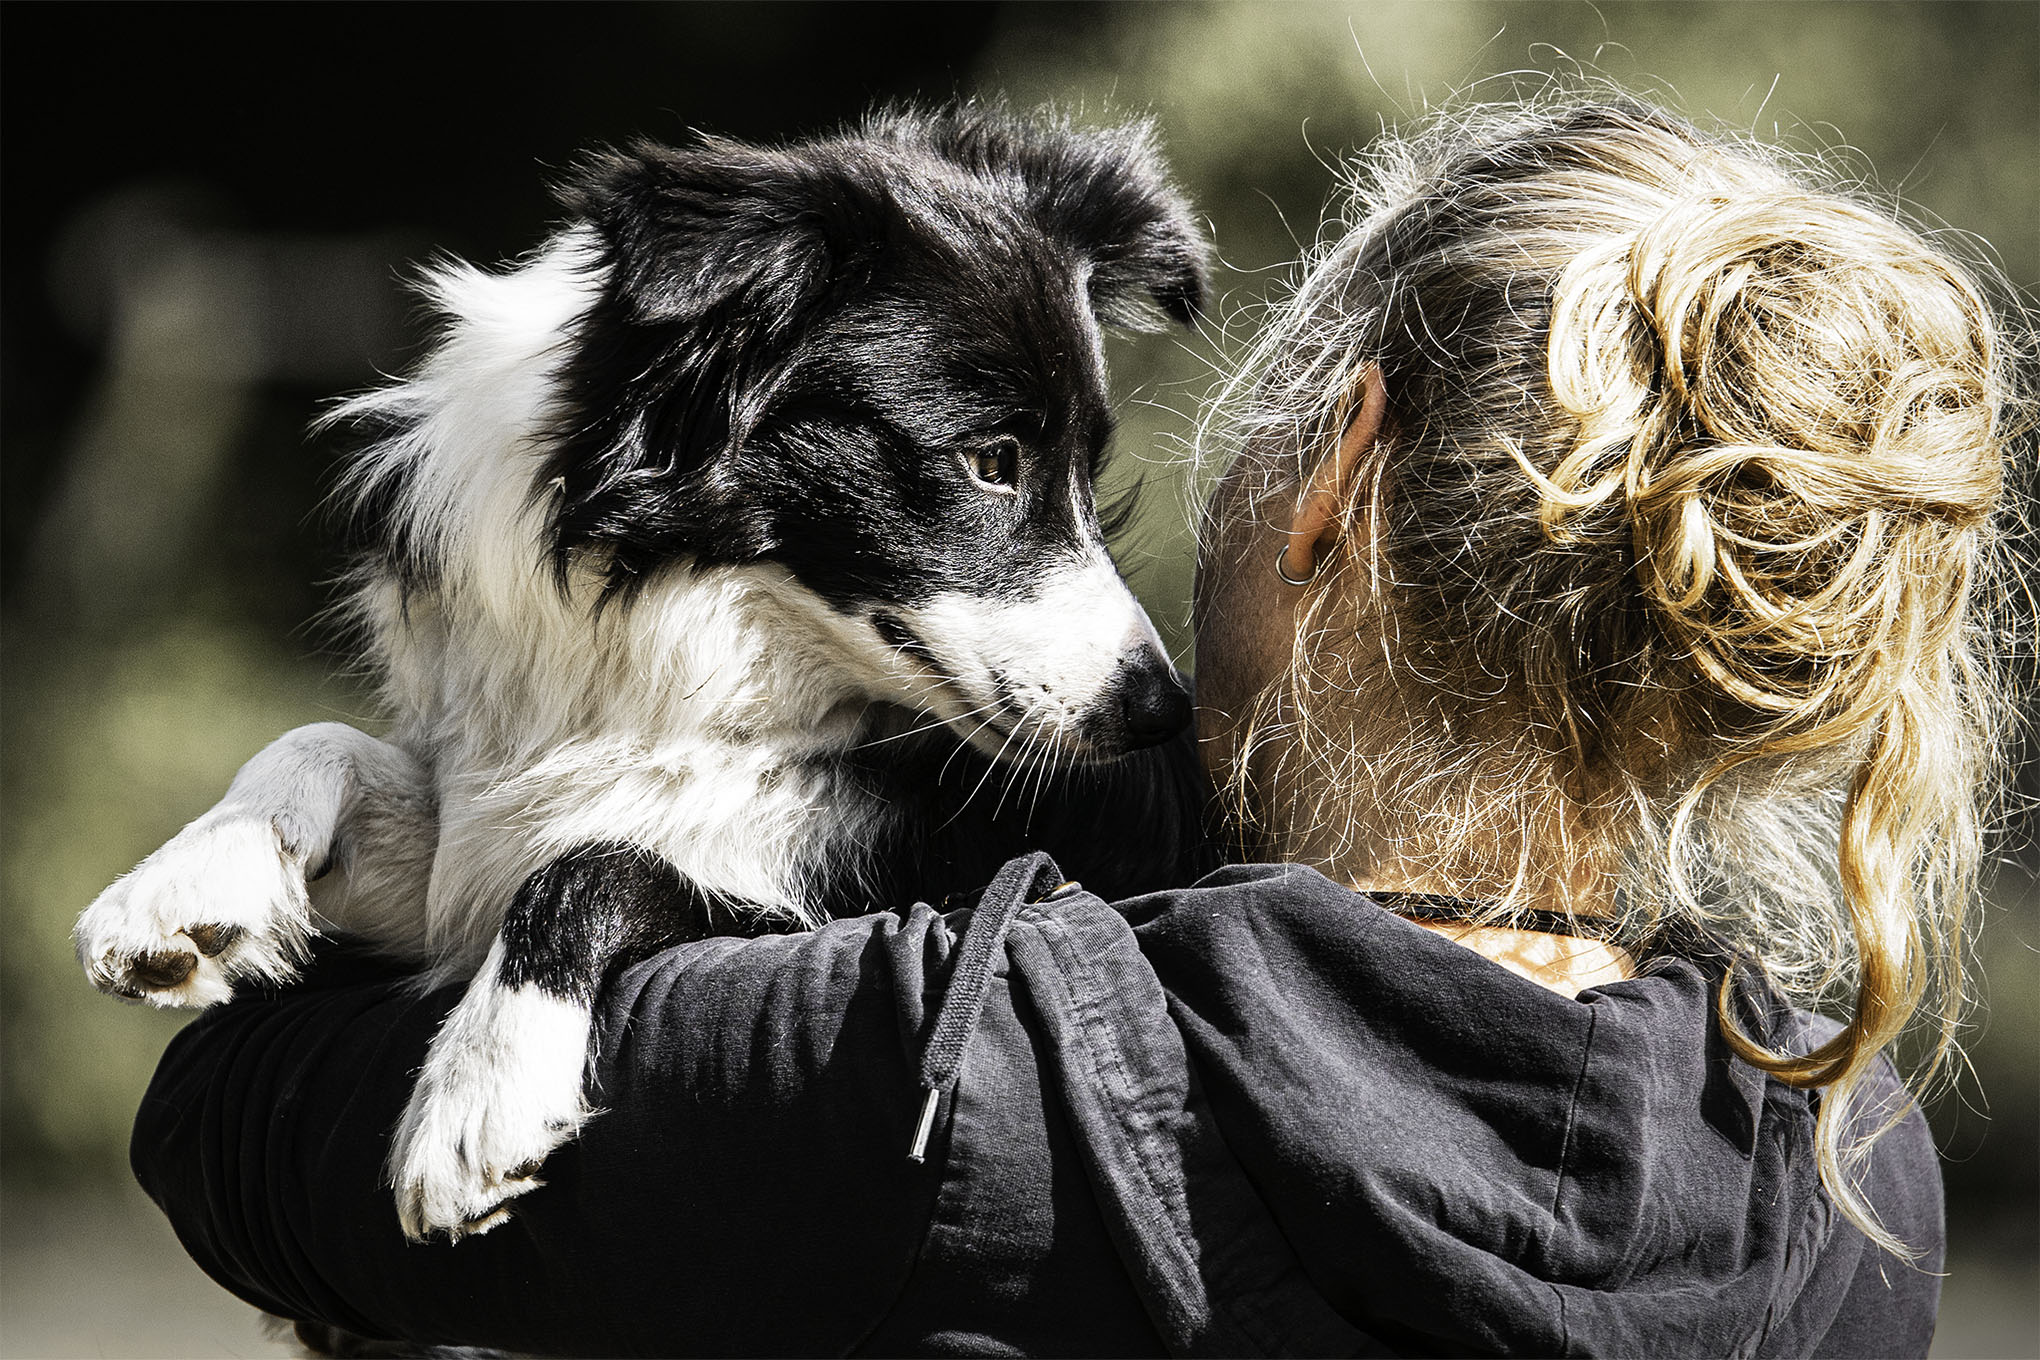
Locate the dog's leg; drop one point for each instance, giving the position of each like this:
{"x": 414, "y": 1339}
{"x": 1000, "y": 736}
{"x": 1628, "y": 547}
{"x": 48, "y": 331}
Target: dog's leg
{"x": 502, "y": 1082}
{"x": 227, "y": 897}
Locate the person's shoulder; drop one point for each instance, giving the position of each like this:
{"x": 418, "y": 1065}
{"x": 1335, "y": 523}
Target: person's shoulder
{"x": 1882, "y": 1102}
{"x": 1860, "y": 1299}
{"x": 1240, "y": 889}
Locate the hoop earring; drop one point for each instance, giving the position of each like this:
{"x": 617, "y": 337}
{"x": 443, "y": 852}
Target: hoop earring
{"x": 1283, "y": 571}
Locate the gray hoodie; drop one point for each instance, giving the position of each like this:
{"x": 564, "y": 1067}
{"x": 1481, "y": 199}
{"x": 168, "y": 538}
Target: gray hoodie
{"x": 1260, "y": 1115}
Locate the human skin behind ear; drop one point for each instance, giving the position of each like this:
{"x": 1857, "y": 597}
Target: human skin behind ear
{"x": 1245, "y": 619}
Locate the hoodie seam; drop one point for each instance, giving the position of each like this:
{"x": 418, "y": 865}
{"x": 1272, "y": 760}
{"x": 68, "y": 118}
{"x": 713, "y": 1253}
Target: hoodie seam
{"x": 1572, "y": 1110}
{"x": 1097, "y": 1035}
{"x": 1565, "y": 1149}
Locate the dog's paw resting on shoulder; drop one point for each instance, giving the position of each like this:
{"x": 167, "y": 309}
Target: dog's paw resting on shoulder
{"x": 224, "y": 900}
{"x": 500, "y": 1090}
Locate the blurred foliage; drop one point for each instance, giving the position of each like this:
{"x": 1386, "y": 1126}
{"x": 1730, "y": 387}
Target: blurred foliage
{"x": 201, "y": 249}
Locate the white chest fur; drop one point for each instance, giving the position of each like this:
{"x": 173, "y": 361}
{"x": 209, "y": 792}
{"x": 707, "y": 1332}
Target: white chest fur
{"x": 706, "y": 721}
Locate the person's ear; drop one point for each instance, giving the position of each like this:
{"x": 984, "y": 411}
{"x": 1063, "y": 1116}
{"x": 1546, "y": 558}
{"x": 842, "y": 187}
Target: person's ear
{"x": 1321, "y": 511}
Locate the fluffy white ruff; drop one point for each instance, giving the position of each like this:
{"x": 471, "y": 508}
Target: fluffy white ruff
{"x": 699, "y": 723}
{"x": 500, "y": 1089}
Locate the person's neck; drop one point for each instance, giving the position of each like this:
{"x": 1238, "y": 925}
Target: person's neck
{"x": 1565, "y": 964}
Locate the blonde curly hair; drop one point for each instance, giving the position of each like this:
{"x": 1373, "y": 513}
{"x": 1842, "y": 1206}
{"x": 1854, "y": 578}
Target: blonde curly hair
{"x": 1671, "y": 583}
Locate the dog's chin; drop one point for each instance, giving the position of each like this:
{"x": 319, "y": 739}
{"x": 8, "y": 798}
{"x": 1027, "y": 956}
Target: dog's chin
{"x": 1026, "y": 738}
{"x": 1016, "y": 733}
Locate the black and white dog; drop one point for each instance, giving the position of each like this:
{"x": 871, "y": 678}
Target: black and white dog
{"x": 719, "y": 549}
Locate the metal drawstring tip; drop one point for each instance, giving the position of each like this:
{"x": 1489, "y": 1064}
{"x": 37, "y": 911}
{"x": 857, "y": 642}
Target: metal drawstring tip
{"x": 926, "y": 1125}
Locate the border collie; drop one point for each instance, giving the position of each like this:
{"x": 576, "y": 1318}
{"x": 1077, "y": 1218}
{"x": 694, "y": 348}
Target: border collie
{"x": 717, "y": 550}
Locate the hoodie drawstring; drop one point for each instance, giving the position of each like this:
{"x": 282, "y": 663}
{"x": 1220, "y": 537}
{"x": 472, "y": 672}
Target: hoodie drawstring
{"x": 1012, "y": 888}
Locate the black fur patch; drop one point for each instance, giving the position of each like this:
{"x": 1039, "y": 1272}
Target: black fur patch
{"x": 600, "y": 908}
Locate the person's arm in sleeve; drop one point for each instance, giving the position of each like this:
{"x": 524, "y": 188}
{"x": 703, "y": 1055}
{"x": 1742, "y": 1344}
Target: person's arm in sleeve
{"x": 748, "y": 1186}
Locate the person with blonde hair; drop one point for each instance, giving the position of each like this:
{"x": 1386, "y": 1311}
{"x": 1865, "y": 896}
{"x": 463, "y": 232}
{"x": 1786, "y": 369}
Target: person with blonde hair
{"x": 1594, "y": 624}
{"x": 1656, "y": 589}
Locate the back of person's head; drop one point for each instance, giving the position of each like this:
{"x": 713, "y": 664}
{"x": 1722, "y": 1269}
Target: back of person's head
{"x": 1669, "y": 584}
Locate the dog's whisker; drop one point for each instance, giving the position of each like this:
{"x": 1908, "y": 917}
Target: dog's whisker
{"x": 1040, "y": 757}
{"x": 1016, "y": 770}
{"x": 1058, "y": 748}
{"x": 1064, "y": 752}
{"x": 922, "y": 730}
{"x": 997, "y": 759}
{"x": 1049, "y": 755}
{"x": 962, "y": 746}
{"x": 1010, "y": 770}
{"x": 935, "y": 723}
{"x": 1032, "y": 761}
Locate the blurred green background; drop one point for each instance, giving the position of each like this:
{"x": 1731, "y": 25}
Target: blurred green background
{"x": 207, "y": 215}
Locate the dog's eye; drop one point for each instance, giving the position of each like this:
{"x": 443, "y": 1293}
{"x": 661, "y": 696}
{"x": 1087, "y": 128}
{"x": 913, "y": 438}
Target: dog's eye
{"x": 994, "y": 466}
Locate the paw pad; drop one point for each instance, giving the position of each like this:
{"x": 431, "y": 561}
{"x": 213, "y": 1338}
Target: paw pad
{"x": 161, "y": 968}
{"x": 212, "y": 940}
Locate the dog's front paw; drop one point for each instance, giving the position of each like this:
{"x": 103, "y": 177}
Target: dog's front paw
{"x": 223, "y": 900}
{"x": 500, "y": 1090}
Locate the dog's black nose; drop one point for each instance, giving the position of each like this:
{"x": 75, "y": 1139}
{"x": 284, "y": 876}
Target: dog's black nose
{"x": 1152, "y": 699}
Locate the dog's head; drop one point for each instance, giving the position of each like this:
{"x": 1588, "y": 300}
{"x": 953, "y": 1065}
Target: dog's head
{"x": 874, "y": 360}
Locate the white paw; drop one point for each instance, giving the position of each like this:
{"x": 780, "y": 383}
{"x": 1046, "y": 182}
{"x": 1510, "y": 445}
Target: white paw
{"x": 500, "y": 1090}
{"x": 223, "y": 900}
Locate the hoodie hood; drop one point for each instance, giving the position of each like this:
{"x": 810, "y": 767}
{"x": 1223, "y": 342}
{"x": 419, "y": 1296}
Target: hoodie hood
{"x": 1466, "y": 1162}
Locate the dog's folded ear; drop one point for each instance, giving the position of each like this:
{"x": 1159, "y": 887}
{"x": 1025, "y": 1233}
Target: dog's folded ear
{"x": 1104, "y": 192}
{"x": 715, "y": 256}
{"x": 691, "y": 230}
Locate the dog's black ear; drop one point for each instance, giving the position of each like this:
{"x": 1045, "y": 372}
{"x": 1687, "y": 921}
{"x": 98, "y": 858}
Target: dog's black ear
{"x": 1104, "y": 192}
{"x": 690, "y": 231}
{"x": 717, "y": 256}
